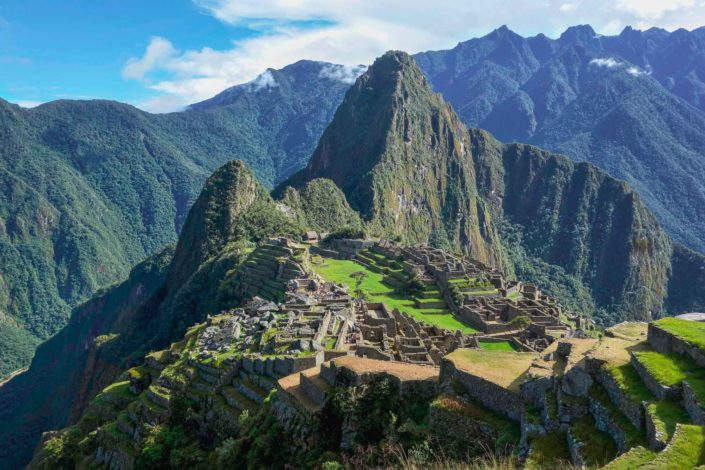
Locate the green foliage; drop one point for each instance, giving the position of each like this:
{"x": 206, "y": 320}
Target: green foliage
{"x": 346, "y": 232}
{"x": 520, "y": 322}
{"x": 321, "y": 206}
{"x": 168, "y": 447}
{"x": 94, "y": 187}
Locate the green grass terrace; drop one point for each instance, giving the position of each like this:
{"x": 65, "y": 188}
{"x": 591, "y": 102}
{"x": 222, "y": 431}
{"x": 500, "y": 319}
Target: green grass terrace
{"x": 689, "y": 331}
{"x": 377, "y": 289}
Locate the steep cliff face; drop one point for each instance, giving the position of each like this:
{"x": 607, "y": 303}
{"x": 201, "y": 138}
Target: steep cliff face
{"x": 575, "y": 216}
{"x": 402, "y": 158}
{"x": 631, "y": 103}
{"x": 69, "y": 369}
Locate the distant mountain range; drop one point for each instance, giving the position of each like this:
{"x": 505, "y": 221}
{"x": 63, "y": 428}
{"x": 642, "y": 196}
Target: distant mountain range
{"x": 93, "y": 187}
{"x": 633, "y": 104}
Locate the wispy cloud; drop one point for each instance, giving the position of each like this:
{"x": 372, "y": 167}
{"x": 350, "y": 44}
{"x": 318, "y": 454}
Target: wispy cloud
{"x": 653, "y": 9}
{"x": 157, "y": 54}
{"x": 608, "y": 62}
{"x": 351, "y": 33}
{"x": 611, "y": 62}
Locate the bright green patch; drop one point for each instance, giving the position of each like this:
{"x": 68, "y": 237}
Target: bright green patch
{"x": 684, "y": 451}
{"x": 666, "y": 415}
{"x": 498, "y": 346}
{"x": 628, "y": 380}
{"x": 634, "y": 458}
{"x": 668, "y": 369}
{"x": 118, "y": 388}
{"x": 375, "y": 290}
{"x": 691, "y": 331}
{"x": 672, "y": 369}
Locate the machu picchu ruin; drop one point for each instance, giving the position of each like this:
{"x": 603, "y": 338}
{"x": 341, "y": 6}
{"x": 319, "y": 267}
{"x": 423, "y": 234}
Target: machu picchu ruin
{"x": 492, "y": 363}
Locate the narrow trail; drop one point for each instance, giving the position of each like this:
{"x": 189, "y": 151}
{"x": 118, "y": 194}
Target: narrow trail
{"x": 13, "y": 375}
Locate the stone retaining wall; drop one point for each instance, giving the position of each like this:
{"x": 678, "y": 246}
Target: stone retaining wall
{"x": 632, "y": 410}
{"x": 574, "y": 446}
{"x": 691, "y": 405}
{"x": 664, "y": 342}
{"x": 657, "y": 440}
{"x": 317, "y": 395}
{"x": 488, "y": 394}
{"x": 605, "y": 422}
{"x": 662, "y": 392}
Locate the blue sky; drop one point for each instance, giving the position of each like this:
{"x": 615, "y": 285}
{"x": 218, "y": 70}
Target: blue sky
{"x": 161, "y": 55}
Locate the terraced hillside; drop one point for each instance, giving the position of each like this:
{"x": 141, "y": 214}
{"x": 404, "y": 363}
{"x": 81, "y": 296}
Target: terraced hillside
{"x": 382, "y": 282}
{"x": 240, "y": 388}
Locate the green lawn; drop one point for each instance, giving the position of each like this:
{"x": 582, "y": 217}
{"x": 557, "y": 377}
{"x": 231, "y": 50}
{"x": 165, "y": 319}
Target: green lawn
{"x": 501, "y": 346}
{"x": 684, "y": 451}
{"x": 628, "y": 380}
{"x": 340, "y": 271}
{"x": 668, "y": 369}
{"x": 671, "y": 369}
{"x": 666, "y": 415}
{"x": 691, "y": 331}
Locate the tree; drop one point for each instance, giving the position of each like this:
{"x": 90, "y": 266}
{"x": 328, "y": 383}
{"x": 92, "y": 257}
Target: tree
{"x": 359, "y": 277}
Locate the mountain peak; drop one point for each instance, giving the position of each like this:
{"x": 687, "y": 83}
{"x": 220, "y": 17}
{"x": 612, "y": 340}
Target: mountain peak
{"x": 579, "y": 34}
{"x": 399, "y": 153}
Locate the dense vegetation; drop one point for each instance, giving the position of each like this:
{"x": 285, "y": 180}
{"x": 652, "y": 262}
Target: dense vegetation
{"x": 633, "y": 104}
{"x": 603, "y": 245}
{"x": 161, "y": 299}
{"x": 91, "y": 188}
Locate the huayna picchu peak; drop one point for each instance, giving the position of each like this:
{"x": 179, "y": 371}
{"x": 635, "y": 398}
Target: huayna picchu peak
{"x": 331, "y": 270}
{"x": 402, "y": 158}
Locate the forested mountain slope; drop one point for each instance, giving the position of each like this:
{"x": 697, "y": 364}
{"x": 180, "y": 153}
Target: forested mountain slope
{"x": 93, "y": 187}
{"x": 632, "y": 104}
{"x": 522, "y": 208}
{"x": 163, "y": 296}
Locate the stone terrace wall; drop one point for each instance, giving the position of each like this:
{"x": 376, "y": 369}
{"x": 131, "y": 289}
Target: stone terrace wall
{"x": 664, "y": 342}
{"x": 488, "y": 394}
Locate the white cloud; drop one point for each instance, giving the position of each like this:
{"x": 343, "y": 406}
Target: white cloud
{"x": 342, "y": 73}
{"x": 653, "y": 9}
{"x": 355, "y": 32}
{"x": 608, "y": 62}
{"x": 157, "y": 53}
{"x": 263, "y": 80}
{"x": 611, "y": 62}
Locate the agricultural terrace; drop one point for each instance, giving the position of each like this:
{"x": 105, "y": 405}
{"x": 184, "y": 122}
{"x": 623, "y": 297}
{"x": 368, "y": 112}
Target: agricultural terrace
{"x": 376, "y": 289}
